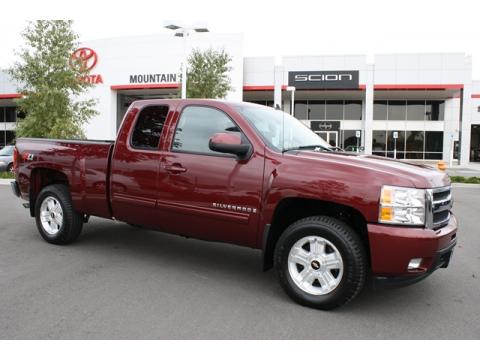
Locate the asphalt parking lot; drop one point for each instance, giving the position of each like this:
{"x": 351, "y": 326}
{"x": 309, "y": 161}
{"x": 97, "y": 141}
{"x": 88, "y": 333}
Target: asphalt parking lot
{"x": 119, "y": 282}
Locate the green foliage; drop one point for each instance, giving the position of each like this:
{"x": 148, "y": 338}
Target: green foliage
{"x": 466, "y": 180}
{"x": 48, "y": 83}
{"x": 6, "y": 175}
{"x": 207, "y": 75}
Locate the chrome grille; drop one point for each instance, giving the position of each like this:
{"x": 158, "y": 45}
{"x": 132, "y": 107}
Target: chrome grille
{"x": 439, "y": 203}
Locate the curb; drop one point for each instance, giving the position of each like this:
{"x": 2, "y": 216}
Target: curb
{"x": 6, "y": 181}
{"x": 464, "y": 185}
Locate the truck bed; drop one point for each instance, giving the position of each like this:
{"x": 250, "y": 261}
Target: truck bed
{"x": 84, "y": 164}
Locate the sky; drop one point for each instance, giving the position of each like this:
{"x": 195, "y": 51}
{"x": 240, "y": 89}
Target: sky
{"x": 270, "y": 28}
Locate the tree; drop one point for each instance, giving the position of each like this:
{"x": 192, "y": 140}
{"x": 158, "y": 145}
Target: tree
{"x": 207, "y": 74}
{"x": 51, "y": 83}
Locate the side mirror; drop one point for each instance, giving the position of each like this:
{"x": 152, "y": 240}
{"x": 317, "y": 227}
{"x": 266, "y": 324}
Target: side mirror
{"x": 229, "y": 144}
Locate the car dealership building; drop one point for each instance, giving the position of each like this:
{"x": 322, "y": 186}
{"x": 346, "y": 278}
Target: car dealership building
{"x": 409, "y": 106}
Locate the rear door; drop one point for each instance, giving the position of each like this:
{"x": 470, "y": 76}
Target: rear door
{"x": 135, "y": 165}
{"x": 205, "y": 194}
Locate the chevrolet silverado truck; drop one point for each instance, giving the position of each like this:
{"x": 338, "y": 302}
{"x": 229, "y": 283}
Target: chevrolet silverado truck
{"x": 253, "y": 176}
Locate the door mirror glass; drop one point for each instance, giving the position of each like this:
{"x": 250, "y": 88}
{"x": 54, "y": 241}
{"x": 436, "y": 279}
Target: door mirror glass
{"x": 230, "y": 144}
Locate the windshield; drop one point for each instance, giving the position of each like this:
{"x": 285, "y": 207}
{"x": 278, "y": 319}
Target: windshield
{"x": 280, "y": 130}
{"x": 6, "y": 151}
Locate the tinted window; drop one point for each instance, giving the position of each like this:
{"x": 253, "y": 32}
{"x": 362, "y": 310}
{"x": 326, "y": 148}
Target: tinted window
{"x": 433, "y": 141}
{"x": 148, "y": 128}
{"x": 397, "y": 110}
{"x": 334, "y": 110}
{"x": 301, "y": 110}
{"x": 316, "y": 110}
{"x": 379, "y": 143}
{"x": 415, "y": 110}
{"x": 197, "y": 125}
{"x": 380, "y": 110}
{"x": 396, "y": 144}
{"x": 414, "y": 144}
{"x": 350, "y": 138}
{"x": 10, "y": 113}
{"x": 435, "y": 110}
{"x": 414, "y": 141}
{"x": 353, "y": 110}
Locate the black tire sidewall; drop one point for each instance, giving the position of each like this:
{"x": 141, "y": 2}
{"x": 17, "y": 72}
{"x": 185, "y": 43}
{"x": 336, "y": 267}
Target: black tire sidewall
{"x": 341, "y": 240}
{"x": 61, "y": 195}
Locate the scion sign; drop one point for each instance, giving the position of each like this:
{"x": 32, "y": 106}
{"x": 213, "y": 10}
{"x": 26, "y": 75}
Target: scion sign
{"x": 323, "y": 79}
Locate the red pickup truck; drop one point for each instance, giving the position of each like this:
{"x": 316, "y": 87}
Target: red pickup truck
{"x": 252, "y": 176}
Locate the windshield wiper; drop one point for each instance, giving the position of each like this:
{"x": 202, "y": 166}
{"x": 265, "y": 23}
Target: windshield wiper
{"x": 307, "y": 147}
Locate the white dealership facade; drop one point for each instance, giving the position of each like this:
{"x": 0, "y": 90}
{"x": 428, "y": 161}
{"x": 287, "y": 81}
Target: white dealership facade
{"x": 408, "y": 106}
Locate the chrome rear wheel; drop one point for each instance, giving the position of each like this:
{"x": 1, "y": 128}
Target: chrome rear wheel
{"x": 51, "y": 215}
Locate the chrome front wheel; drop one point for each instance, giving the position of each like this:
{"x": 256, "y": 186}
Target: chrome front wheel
{"x": 315, "y": 265}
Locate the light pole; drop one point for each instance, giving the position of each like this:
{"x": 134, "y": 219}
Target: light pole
{"x": 184, "y": 32}
{"x": 292, "y": 100}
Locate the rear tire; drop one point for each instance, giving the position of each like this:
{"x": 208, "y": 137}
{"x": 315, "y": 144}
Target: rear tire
{"x": 320, "y": 262}
{"x": 57, "y": 221}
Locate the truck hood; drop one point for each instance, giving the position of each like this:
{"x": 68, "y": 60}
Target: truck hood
{"x": 420, "y": 176}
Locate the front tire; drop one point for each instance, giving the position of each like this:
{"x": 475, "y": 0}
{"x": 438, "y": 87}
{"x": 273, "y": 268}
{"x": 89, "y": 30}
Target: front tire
{"x": 57, "y": 221}
{"x": 320, "y": 262}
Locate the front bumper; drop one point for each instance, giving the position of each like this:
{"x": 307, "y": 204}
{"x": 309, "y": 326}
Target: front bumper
{"x": 442, "y": 259}
{"x": 392, "y": 248}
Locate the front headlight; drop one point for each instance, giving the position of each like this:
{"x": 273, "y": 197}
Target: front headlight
{"x": 403, "y": 206}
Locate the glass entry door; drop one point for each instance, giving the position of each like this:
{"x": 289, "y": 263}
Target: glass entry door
{"x": 330, "y": 137}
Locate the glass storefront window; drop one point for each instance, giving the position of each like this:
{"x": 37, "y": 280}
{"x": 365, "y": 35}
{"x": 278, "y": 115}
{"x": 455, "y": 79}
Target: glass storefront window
{"x": 379, "y": 140}
{"x": 398, "y": 144}
{"x": 316, "y": 110}
{"x": 415, "y": 110}
{"x": 435, "y": 110}
{"x": 414, "y": 141}
{"x": 353, "y": 110}
{"x": 417, "y": 145}
{"x": 301, "y": 110}
{"x": 334, "y": 110}
{"x": 433, "y": 144}
{"x": 380, "y": 110}
{"x": 350, "y": 140}
{"x": 397, "y": 110}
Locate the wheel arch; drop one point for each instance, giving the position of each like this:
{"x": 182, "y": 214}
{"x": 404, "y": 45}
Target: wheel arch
{"x": 41, "y": 177}
{"x": 291, "y": 209}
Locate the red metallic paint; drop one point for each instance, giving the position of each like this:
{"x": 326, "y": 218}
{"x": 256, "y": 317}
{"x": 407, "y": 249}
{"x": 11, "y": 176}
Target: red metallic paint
{"x": 180, "y": 192}
{"x": 392, "y": 247}
{"x": 228, "y": 139}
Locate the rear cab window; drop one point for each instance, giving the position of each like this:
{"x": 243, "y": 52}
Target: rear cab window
{"x": 148, "y": 127}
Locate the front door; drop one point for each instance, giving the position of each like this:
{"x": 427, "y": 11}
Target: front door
{"x": 330, "y": 137}
{"x": 205, "y": 194}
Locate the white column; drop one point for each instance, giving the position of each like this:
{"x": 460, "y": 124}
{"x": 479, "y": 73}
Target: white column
{"x": 368, "y": 110}
{"x": 466, "y": 124}
{"x": 279, "y": 81}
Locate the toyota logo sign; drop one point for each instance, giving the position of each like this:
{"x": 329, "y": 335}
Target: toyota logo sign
{"x": 84, "y": 59}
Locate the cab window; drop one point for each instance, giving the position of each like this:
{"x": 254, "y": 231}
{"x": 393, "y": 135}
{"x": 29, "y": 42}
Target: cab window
{"x": 148, "y": 128}
{"x": 197, "y": 125}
